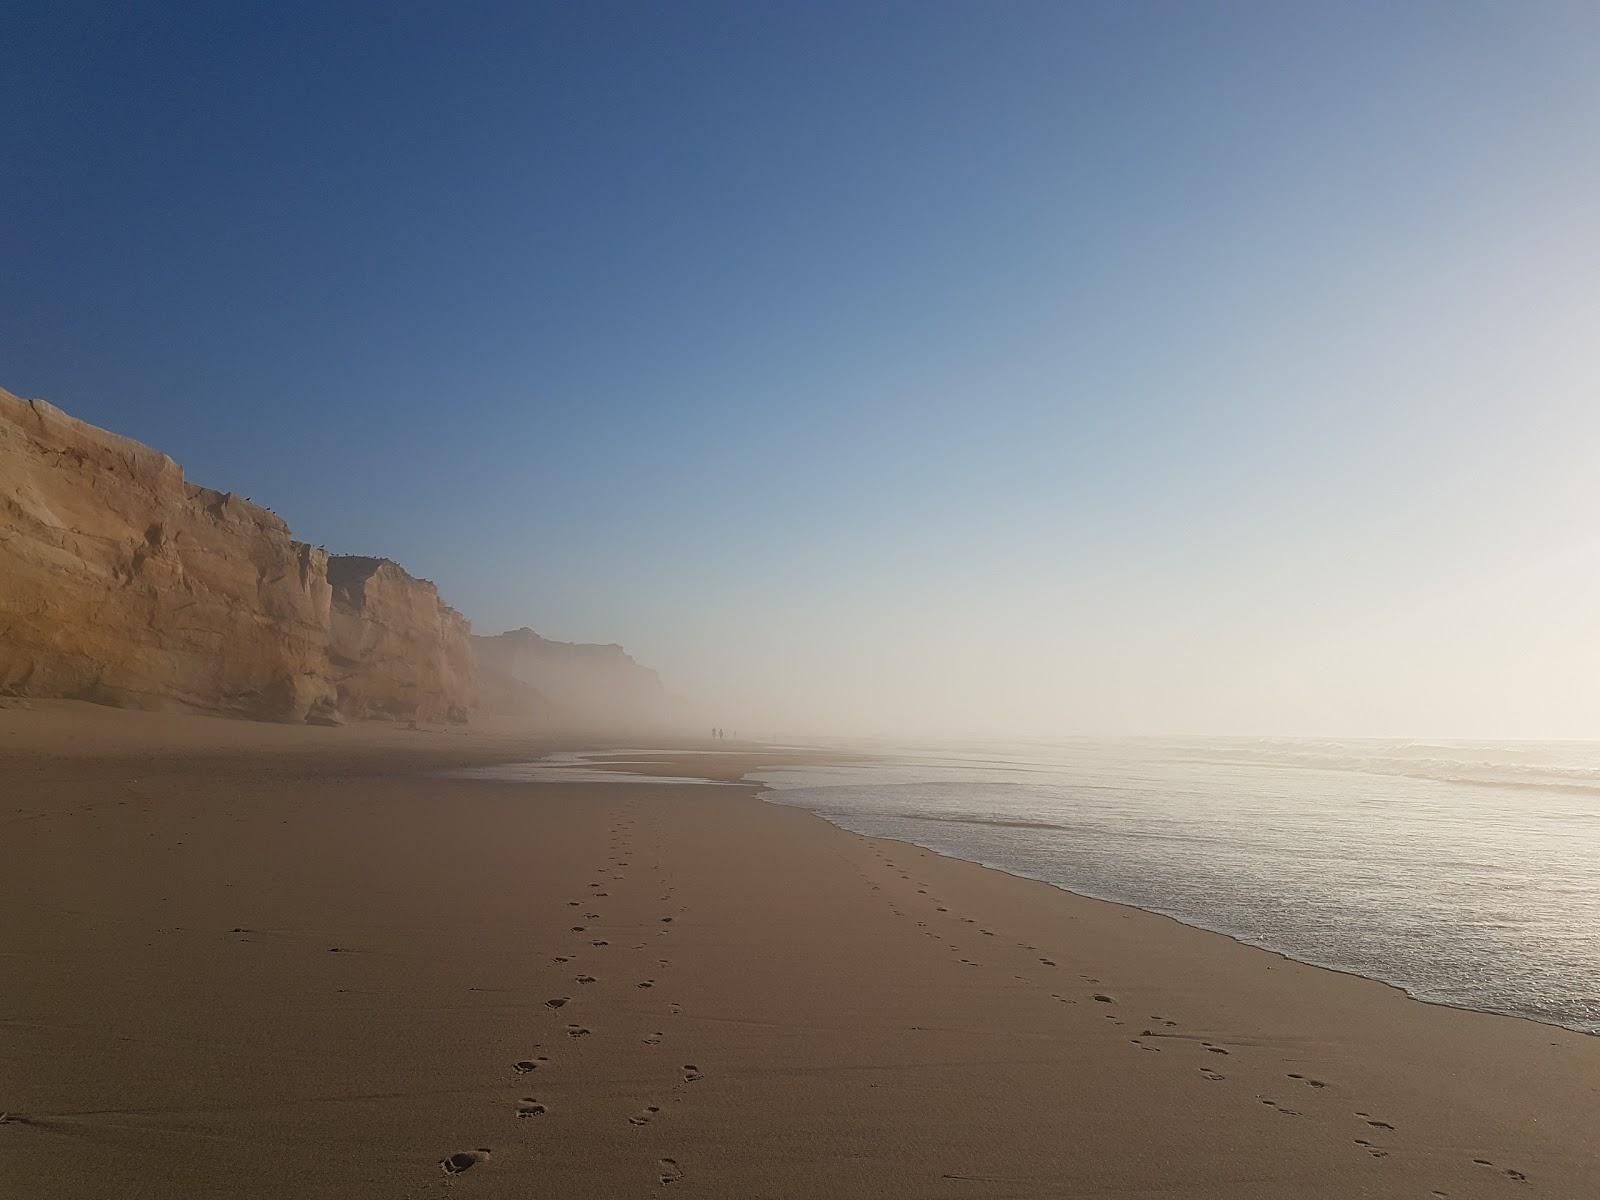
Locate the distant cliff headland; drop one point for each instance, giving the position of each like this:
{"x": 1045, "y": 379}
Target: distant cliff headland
{"x": 123, "y": 583}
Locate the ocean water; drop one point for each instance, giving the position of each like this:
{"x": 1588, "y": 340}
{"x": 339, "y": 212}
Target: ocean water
{"x": 1467, "y": 873}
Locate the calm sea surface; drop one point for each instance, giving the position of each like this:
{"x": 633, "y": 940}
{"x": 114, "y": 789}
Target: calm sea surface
{"x": 1464, "y": 872}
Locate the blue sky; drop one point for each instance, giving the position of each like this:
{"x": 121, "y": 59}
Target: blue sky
{"x": 1071, "y": 363}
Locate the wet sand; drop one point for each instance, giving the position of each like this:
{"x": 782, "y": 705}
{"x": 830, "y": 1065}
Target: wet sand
{"x": 258, "y": 961}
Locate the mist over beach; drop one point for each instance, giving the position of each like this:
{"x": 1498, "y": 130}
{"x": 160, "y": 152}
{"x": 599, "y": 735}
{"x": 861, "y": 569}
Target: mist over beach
{"x": 800, "y": 600}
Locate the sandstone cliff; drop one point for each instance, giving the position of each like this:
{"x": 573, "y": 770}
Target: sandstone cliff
{"x": 521, "y": 674}
{"x": 395, "y": 649}
{"x": 123, "y": 583}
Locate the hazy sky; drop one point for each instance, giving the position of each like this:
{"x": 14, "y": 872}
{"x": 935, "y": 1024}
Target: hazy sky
{"x": 935, "y": 367}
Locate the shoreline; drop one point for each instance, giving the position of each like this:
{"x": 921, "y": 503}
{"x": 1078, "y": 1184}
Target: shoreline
{"x": 1463, "y": 897}
{"x": 769, "y": 794}
{"x": 252, "y": 964}
{"x": 1236, "y": 939}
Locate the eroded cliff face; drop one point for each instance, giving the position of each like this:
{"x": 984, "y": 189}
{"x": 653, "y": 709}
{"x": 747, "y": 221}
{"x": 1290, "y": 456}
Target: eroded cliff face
{"x": 593, "y": 687}
{"x": 395, "y": 648}
{"x": 123, "y": 583}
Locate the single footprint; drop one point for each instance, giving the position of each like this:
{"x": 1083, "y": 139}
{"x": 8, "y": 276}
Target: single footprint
{"x": 599, "y": 942}
{"x": 577, "y": 1031}
{"x": 1507, "y": 1171}
{"x": 556, "y": 1001}
{"x": 645, "y": 983}
{"x": 671, "y": 1172}
{"x": 586, "y": 979}
{"x": 643, "y": 1118}
{"x": 653, "y": 1040}
{"x": 523, "y": 1065}
{"x": 691, "y": 1073}
{"x": 529, "y": 1107}
{"x": 1103, "y": 998}
{"x": 463, "y": 1160}
{"x": 1211, "y": 1075}
{"x": 1050, "y": 963}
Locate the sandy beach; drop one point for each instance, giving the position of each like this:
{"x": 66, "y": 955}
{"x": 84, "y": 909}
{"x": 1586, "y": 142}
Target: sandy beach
{"x": 248, "y": 960}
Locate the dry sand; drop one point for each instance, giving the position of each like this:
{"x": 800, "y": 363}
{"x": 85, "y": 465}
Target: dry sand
{"x": 244, "y": 960}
